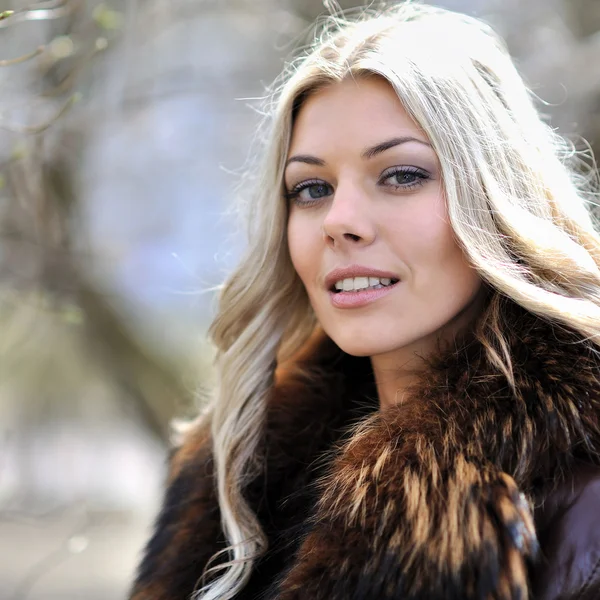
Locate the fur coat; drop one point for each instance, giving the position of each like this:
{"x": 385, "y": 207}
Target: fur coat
{"x": 469, "y": 489}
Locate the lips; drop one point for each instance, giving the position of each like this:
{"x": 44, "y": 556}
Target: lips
{"x": 360, "y": 297}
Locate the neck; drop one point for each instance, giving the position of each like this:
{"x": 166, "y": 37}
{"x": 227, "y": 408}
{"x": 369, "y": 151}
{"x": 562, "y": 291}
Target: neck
{"x": 396, "y": 371}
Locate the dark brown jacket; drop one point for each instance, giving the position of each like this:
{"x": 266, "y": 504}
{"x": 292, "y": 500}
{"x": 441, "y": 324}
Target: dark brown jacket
{"x": 468, "y": 490}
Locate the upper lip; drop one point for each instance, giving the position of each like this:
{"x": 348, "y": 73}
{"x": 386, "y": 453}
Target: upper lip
{"x": 355, "y": 271}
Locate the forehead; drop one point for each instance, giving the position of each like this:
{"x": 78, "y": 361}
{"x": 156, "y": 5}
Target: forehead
{"x": 365, "y": 109}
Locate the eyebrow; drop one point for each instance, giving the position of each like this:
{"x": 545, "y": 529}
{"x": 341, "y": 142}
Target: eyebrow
{"x": 397, "y": 141}
{"x": 368, "y": 153}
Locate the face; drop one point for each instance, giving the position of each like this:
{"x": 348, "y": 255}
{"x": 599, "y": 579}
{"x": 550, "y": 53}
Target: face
{"x": 368, "y": 229}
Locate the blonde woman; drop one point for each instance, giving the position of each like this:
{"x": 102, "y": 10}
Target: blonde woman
{"x": 408, "y": 357}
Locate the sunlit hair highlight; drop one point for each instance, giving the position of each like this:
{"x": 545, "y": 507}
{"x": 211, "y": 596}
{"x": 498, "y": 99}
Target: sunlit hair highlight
{"x": 518, "y": 201}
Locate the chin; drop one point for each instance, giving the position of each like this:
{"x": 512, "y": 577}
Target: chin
{"x": 365, "y": 345}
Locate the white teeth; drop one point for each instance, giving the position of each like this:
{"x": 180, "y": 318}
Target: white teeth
{"x": 361, "y": 283}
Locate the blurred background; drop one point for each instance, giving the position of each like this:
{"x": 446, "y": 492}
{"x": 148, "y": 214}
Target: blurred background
{"x": 124, "y": 126}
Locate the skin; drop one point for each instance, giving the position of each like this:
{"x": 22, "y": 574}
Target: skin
{"x": 386, "y": 211}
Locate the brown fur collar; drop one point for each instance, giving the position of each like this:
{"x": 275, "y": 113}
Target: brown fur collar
{"x": 430, "y": 499}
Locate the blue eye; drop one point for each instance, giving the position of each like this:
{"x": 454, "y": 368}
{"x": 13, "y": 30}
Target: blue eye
{"x": 309, "y": 192}
{"x": 403, "y": 177}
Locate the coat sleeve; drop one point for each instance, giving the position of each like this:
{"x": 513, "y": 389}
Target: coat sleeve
{"x": 187, "y": 532}
{"x": 570, "y": 563}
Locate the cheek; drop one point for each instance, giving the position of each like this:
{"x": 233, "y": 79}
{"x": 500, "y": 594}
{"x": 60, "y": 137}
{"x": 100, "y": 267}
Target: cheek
{"x": 302, "y": 247}
{"x": 422, "y": 234}
{"x": 432, "y": 253}
{"x": 451, "y": 276}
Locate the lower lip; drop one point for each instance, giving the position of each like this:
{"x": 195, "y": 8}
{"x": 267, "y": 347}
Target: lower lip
{"x": 357, "y": 299}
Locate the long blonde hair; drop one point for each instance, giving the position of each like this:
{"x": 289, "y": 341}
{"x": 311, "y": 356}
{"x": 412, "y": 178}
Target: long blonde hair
{"x": 517, "y": 201}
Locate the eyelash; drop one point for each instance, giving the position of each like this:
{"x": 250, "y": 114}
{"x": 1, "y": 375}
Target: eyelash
{"x": 422, "y": 176}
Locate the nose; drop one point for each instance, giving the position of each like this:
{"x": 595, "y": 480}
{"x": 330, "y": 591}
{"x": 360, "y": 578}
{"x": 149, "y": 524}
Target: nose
{"x": 349, "y": 221}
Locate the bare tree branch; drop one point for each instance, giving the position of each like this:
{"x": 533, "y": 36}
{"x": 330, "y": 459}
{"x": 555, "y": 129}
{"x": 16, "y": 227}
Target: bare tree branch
{"x": 35, "y": 129}
{"x": 41, "y": 12}
{"x": 15, "y": 61}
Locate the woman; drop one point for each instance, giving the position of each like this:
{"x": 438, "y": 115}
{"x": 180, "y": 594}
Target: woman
{"x": 409, "y": 387}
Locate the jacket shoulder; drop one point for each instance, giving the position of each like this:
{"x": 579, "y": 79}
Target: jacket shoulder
{"x": 569, "y": 568}
{"x": 188, "y": 529}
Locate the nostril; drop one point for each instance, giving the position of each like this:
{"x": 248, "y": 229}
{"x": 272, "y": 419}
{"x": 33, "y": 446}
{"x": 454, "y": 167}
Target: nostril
{"x": 352, "y": 236}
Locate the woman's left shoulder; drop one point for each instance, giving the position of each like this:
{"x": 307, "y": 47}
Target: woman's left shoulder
{"x": 569, "y": 533}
